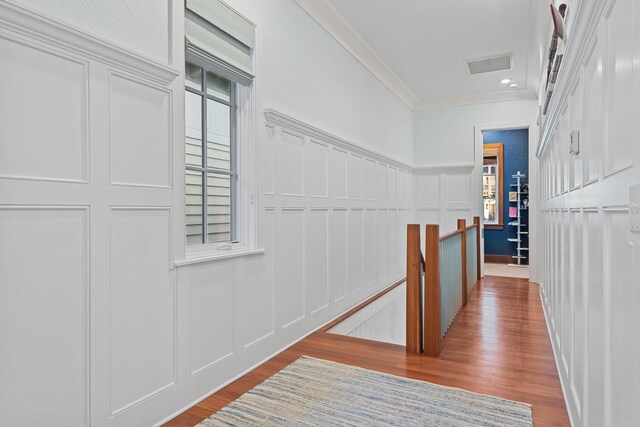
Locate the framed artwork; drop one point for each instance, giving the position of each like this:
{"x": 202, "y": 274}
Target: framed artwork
{"x": 513, "y": 196}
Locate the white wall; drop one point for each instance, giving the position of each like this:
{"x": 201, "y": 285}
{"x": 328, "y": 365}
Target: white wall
{"x": 591, "y": 259}
{"x": 445, "y": 136}
{"x": 383, "y": 320}
{"x": 304, "y": 72}
{"x": 98, "y": 325}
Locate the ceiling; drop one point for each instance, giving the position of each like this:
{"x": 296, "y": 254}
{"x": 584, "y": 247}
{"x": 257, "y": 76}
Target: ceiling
{"x": 425, "y": 43}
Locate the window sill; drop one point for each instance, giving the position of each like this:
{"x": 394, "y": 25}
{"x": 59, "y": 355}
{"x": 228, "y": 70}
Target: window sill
{"x": 218, "y": 255}
{"x": 494, "y": 226}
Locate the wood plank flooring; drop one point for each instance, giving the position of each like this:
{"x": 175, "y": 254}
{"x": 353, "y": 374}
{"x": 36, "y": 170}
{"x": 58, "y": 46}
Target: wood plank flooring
{"x": 498, "y": 346}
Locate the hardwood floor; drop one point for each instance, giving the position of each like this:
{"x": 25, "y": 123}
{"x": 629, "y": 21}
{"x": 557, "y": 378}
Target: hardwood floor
{"x": 498, "y": 346}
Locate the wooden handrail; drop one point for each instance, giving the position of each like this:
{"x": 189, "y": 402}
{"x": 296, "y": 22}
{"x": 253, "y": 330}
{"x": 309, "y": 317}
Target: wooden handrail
{"x": 450, "y": 235}
{"x": 469, "y": 227}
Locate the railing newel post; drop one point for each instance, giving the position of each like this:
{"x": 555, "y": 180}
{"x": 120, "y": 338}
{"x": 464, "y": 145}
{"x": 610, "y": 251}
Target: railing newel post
{"x": 413, "y": 307}
{"x": 476, "y": 221}
{"x": 432, "y": 290}
{"x": 462, "y": 226}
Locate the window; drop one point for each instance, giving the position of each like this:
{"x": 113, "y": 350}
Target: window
{"x": 219, "y": 169}
{"x": 210, "y": 154}
{"x": 492, "y": 186}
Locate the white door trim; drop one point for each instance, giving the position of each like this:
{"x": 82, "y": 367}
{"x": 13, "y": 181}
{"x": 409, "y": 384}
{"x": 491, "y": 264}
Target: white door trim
{"x": 534, "y": 199}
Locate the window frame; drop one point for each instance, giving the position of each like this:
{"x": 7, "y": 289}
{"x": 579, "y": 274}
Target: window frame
{"x": 489, "y": 151}
{"x": 246, "y": 201}
{"x": 204, "y": 169}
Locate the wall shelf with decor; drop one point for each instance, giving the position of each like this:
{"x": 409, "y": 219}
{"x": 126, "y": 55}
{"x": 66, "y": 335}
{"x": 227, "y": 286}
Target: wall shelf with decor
{"x": 518, "y": 211}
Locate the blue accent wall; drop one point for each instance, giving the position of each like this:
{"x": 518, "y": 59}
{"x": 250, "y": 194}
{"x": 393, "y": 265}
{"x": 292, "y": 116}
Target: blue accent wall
{"x": 516, "y": 158}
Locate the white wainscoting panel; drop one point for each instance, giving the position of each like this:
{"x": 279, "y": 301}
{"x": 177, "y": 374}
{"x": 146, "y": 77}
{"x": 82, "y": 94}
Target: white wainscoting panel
{"x": 338, "y": 254}
{"x": 392, "y": 244}
{"x": 88, "y": 297}
{"x": 400, "y": 186}
{"x": 591, "y": 138}
{"x": 317, "y": 160}
{"x": 369, "y": 250}
{"x": 382, "y": 182}
{"x": 354, "y": 180}
{"x": 290, "y": 267}
{"x": 590, "y": 257}
{"x": 391, "y": 184}
{"x": 50, "y": 142}
{"x": 619, "y": 346}
{"x": 355, "y": 257}
{"x": 290, "y": 170}
{"x": 211, "y": 302}
{"x": 255, "y": 287}
{"x": 428, "y": 188}
{"x": 142, "y": 305}
{"x": 370, "y": 182}
{"x": 44, "y": 311}
{"x": 139, "y": 137}
{"x": 316, "y": 260}
{"x": 338, "y": 175}
{"x": 444, "y": 195}
{"x": 88, "y": 236}
{"x": 266, "y": 166}
{"x": 458, "y": 188}
{"x": 618, "y": 75}
{"x": 383, "y": 242}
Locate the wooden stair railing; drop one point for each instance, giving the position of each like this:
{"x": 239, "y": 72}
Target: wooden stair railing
{"x": 423, "y": 320}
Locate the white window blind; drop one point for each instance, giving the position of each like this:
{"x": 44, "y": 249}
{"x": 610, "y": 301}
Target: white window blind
{"x": 220, "y": 39}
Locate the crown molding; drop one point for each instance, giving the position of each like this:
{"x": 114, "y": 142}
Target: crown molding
{"x": 432, "y": 170}
{"x": 30, "y": 26}
{"x": 475, "y": 99}
{"x": 325, "y": 14}
{"x": 279, "y": 119}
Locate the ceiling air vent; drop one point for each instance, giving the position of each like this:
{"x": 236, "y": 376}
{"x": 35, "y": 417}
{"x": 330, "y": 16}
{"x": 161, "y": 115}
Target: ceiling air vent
{"x": 487, "y": 65}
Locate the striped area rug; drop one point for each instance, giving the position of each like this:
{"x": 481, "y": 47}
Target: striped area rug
{"x": 313, "y": 392}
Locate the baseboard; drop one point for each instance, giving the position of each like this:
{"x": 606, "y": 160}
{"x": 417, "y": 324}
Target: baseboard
{"x": 498, "y": 259}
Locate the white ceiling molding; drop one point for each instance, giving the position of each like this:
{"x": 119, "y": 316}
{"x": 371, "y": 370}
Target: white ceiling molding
{"x": 329, "y": 18}
{"x": 434, "y": 170}
{"x": 334, "y": 23}
{"x": 476, "y": 99}
{"x": 279, "y": 119}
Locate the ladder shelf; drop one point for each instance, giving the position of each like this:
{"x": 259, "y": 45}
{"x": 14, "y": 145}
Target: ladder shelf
{"x": 517, "y": 222}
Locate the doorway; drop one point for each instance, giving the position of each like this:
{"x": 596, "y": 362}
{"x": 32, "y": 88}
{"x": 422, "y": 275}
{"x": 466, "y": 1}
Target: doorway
{"x": 506, "y": 202}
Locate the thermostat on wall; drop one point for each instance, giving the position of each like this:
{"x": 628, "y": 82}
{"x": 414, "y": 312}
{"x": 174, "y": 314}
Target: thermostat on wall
{"x": 574, "y": 147}
{"x": 634, "y": 208}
